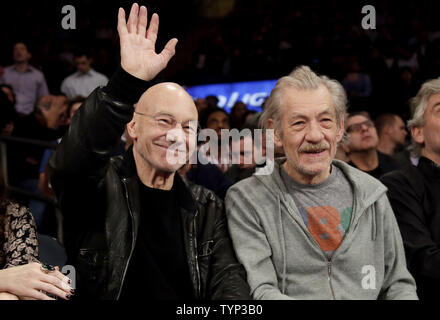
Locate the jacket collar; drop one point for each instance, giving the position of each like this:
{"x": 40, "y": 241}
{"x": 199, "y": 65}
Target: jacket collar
{"x": 366, "y": 188}
{"x": 126, "y": 168}
{"x": 429, "y": 168}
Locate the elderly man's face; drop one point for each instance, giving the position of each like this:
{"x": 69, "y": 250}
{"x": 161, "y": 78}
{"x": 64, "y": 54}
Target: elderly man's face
{"x": 169, "y": 118}
{"x": 361, "y": 134}
{"x": 429, "y": 134}
{"x": 310, "y": 133}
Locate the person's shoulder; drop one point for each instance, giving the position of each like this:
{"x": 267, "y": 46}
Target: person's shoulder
{"x": 36, "y": 71}
{"x": 14, "y": 210}
{"x": 407, "y": 175}
{"x": 98, "y": 75}
{"x": 9, "y": 68}
{"x": 70, "y": 77}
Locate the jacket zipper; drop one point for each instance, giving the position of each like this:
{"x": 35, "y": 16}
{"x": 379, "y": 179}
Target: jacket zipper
{"x": 196, "y": 254}
{"x": 329, "y": 270}
{"x": 133, "y": 239}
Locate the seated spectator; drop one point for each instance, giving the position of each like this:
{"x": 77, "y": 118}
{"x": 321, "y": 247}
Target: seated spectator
{"x": 357, "y": 85}
{"x": 201, "y": 104}
{"x": 7, "y": 112}
{"x": 47, "y": 123}
{"x": 243, "y": 152}
{"x": 391, "y": 132}
{"x": 211, "y": 177}
{"x": 249, "y": 117}
{"x": 21, "y": 274}
{"x": 84, "y": 80}
{"x": 28, "y": 82}
{"x": 361, "y": 145}
{"x": 392, "y": 137}
{"x": 216, "y": 119}
{"x": 237, "y": 115}
{"x": 212, "y": 101}
{"x": 414, "y": 193}
{"x": 72, "y": 106}
{"x": 147, "y": 234}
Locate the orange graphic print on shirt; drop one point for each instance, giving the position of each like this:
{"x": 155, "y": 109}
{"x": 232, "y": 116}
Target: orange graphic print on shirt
{"x": 323, "y": 225}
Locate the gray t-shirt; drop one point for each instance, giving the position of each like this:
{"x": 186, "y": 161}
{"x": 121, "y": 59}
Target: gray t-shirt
{"x": 326, "y": 207}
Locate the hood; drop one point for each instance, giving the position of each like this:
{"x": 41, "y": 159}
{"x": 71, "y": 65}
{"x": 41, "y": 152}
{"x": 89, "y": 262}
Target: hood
{"x": 366, "y": 189}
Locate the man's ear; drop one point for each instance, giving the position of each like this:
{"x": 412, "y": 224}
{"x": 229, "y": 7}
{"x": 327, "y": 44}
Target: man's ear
{"x": 418, "y": 134}
{"x": 131, "y": 129}
{"x": 276, "y": 135}
{"x": 341, "y": 130}
{"x": 345, "y": 147}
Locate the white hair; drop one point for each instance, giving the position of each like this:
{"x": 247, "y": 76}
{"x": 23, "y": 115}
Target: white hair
{"x": 418, "y": 107}
{"x": 302, "y": 78}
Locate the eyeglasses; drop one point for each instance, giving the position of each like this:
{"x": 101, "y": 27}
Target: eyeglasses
{"x": 357, "y": 127}
{"x": 168, "y": 122}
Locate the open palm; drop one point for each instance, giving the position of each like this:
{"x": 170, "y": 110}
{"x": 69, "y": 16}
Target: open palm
{"x": 138, "y": 53}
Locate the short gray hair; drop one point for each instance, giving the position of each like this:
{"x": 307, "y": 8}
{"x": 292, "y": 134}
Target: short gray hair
{"x": 418, "y": 106}
{"x": 302, "y": 78}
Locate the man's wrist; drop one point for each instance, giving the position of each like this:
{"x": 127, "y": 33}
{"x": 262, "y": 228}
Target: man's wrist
{"x": 126, "y": 87}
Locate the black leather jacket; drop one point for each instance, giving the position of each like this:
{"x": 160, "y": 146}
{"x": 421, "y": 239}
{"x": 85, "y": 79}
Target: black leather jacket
{"x": 98, "y": 195}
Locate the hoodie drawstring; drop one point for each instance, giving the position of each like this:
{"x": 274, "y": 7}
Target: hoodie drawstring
{"x": 283, "y": 248}
{"x": 374, "y": 231}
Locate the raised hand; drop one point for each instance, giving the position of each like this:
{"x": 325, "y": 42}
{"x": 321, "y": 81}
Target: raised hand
{"x": 138, "y": 53}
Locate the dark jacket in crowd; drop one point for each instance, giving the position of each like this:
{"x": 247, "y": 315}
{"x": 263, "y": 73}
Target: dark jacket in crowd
{"x": 99, "y": 198}
{"x": 414, "y": 193}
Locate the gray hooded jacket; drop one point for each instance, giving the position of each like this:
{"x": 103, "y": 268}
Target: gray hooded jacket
{"x": 283, "y": 260}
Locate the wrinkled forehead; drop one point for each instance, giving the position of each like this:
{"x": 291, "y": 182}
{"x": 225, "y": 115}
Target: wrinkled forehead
{"x": 433, "y": 102}
{"x": 307, "y": 102}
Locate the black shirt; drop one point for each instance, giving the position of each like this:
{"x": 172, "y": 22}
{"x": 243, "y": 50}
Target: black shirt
{"x": 158, "y": 269}
{"x": 414, "y": 194}
{"x": 386, "y": 164}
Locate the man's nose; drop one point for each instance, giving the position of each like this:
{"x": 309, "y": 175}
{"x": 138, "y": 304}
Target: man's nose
{"x": 314, "y": 132}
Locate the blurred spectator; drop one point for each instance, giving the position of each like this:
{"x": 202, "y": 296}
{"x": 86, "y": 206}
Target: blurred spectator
{"x": 47, "y": 123}
{"x": 357, "y": 85}
{"x": 216, "y": 119}
{"x": 43, "y": 181}
{"x": 201, "y": 104}
{"x": 211, "y": 177}
{"x": 237, "y": 114}
{"x": 243, "y": 152}
{"x": 84, "y": 80}
{"x": 73, "y": 105}
{"x": 361, "y": 146}
{"x": 28, "y": 83}
{"x": 7, "y": 111}
{"x": 212, "y": 101}
{"x": 391, "y": 132}
{"x": 21, "y": 276}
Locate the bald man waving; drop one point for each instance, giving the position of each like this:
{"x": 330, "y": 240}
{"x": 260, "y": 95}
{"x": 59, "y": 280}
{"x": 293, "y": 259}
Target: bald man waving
{"x": 133, "y": 229}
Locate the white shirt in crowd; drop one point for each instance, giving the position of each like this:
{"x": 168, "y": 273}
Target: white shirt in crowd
{"x": 82, "y": 84}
